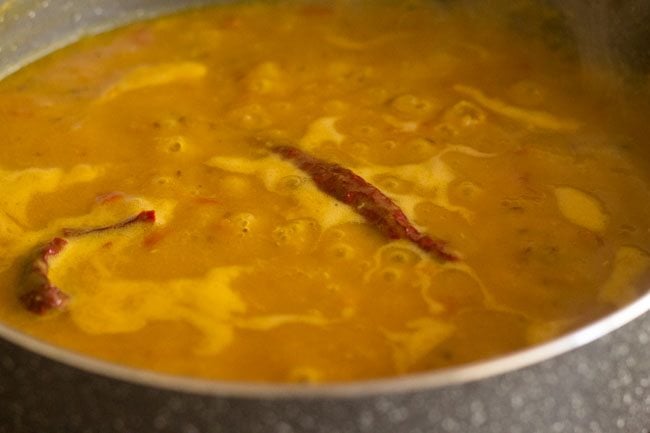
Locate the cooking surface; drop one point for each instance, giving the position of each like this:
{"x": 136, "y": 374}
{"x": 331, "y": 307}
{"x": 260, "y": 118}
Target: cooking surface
{"x": 602, "y": 388}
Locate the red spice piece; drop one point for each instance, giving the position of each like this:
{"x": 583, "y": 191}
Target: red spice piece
{"x": 378, "y": 209}
{"x": 144, "y": 216}
{"x": 42, "y": 296}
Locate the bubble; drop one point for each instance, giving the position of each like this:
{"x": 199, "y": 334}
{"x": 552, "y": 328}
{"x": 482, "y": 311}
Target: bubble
{"x": 172, "y": 144}
{"x": 412, "y": 105}
{"x": 170, "y": 122}
{"x": 421, "y": 149}
{"x": 394, "y": 184}
{"x": 299, "y": 234}
{"x": 342, "y": 251}
{"x": 445, "y": 131}
{"x": 465, "y": 115}
{"x": 367, "y": 130}
{"x": 400, "y": 256}
{"x": 390, "y": 182}
{"x": 468, "y": 190}
{"x": 163, "y": 180}
{"x": 244, "y": 219}
{"x": 290, "y": 183}
{"x": 514, "y": 204}
{"x": 350, "y": 73}
{"x": 420, "y": 144}
{"x": 241, "y": 224}
{"x": 390, "y": 275}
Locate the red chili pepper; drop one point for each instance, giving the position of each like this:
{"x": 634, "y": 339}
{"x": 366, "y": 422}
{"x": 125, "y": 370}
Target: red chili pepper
{"x": 144, "y": 216}
{"x": 43, "y": 296}
{"x": 378, "y": 209}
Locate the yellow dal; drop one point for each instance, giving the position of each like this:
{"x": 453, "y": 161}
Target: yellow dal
{"x": 250, "y": 272}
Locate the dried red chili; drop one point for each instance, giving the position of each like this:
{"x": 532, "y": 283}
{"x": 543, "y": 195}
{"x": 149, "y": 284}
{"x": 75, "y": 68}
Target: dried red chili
{"x": 144, "y": 216}
{"x": 368, "y": 201}
{"x": 42, "y": 296}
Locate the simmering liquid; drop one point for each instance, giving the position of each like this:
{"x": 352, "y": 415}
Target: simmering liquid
{"x": 486, "y": 141}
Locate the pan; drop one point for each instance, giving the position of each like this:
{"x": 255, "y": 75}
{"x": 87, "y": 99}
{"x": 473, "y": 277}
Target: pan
{"x": 596, "y": 379}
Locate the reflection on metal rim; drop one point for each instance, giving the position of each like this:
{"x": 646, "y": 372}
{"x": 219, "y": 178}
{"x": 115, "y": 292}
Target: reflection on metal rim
{"x": 421, "y": 381}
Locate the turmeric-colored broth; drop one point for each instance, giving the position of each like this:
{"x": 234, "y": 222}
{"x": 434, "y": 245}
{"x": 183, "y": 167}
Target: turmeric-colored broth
{"x": 484, "y": 139}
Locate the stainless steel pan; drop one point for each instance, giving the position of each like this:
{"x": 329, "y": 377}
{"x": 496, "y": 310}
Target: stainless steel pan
{"x": 594, "y": 380}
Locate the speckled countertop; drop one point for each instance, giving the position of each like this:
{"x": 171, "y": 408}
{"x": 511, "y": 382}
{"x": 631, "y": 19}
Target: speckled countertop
{"x": 601, "y": 388}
